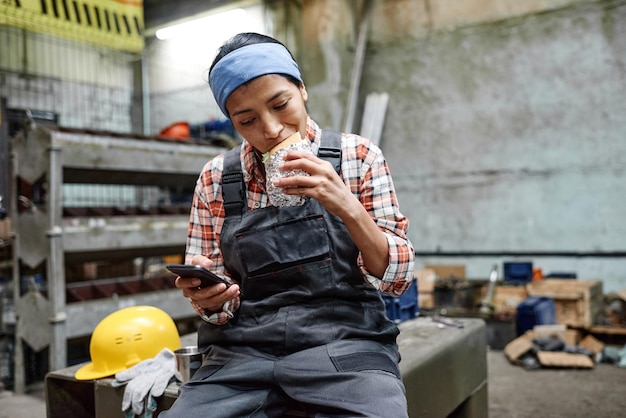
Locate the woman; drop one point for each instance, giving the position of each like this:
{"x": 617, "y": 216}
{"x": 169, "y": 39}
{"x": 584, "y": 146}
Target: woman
{"x": 303, "y": 330}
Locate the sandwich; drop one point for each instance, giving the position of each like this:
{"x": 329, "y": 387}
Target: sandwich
{"x": 295, "y": 139}
{"x": 272, "y": 160}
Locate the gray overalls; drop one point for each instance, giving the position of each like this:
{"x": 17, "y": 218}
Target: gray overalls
{"x": 309, "y": 334}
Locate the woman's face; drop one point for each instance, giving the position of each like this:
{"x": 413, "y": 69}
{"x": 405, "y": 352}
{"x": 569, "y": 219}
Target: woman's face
{"x": 267, "y": 110}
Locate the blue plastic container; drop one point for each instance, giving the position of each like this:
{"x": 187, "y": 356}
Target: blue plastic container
{"x": 516, "y": 272}
{"x": 535, "y": 310}
{"x": 402, "y": 308}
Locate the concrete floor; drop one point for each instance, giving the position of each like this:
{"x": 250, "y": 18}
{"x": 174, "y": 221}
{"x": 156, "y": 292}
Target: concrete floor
{"x": 30, "y": 405}
{"x": 546, "y": 393}
{"x": 513, "y": 393}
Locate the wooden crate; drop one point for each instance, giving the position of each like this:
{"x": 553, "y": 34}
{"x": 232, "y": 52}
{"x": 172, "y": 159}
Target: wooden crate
{"x": 506, "y": 299}
{"x": 577, "y": 302}
{"x": 5, "y": 228}
{"x": 446, "y": 271}
{"x": 426, "y": 300}
{"x": 426, "y": 279}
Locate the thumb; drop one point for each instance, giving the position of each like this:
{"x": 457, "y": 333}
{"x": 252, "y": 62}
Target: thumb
{"x": 200, "y": 260}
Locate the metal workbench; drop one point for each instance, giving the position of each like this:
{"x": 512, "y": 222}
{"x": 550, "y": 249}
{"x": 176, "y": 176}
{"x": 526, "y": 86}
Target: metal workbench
{"x": 444, "y": 370}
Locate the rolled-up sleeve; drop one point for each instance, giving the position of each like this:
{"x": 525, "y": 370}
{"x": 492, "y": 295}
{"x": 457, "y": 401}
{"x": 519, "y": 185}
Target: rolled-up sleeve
{"x": 367, "y": 174}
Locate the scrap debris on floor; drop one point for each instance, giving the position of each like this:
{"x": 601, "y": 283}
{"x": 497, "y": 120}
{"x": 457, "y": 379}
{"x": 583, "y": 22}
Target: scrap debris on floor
{"x": 557, "y": 346}
{"x": 539, "y": 322}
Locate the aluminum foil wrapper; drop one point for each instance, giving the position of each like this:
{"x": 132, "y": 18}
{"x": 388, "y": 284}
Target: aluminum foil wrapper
{"x": 272, "y": 172}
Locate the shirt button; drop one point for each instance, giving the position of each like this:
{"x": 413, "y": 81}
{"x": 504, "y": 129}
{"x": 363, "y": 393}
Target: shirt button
{"x": 257, "y": 205}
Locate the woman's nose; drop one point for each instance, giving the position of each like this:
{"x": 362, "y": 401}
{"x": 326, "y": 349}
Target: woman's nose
{"x": 272, "y": 128}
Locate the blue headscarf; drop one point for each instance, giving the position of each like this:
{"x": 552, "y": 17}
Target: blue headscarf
{"x": 246, "y": 63}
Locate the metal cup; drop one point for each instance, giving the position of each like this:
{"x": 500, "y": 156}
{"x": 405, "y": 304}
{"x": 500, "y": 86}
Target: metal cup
{"x": 188, "y": 361}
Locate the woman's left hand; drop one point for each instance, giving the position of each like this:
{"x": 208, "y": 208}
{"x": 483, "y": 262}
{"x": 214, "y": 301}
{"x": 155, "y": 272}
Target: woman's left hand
{"x": 323, "y": 184}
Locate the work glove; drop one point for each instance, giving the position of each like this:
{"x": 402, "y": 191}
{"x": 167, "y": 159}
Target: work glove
{"x": 146, "y": 381}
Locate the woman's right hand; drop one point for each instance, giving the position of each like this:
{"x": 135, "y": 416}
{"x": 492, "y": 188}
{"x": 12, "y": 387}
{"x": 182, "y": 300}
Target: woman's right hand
{"x": 211, "y": 298}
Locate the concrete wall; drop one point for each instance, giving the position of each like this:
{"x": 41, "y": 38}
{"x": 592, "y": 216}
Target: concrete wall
{"x": 504, "y": 130}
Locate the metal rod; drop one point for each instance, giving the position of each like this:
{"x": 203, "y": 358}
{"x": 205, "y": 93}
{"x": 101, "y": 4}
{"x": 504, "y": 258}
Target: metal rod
{"x": 357, "y": 69}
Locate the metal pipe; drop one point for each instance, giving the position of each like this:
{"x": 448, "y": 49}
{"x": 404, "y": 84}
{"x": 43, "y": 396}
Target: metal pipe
{"x": 56, "y": 261}
{"x": 145, "y": 94}
{"x": 357, "y": 69}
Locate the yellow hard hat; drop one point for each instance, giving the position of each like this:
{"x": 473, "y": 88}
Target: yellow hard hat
{"x": 126, "y": 337}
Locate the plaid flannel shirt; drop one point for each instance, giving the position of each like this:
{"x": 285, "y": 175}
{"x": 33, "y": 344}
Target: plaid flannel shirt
{"x": 364, "y": 171}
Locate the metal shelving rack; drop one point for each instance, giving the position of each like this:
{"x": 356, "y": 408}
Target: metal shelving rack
{"x": 49, "y": 157}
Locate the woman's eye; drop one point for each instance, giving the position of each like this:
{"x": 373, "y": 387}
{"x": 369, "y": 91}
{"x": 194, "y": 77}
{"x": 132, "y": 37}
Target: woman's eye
{"x": 282, "y": 105}
{"x": 246, "y": 121}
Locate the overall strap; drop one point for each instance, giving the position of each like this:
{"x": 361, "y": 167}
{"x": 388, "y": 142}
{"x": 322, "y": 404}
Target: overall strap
{"x": 330, "y": 148}
{"x": 233, "y": 189}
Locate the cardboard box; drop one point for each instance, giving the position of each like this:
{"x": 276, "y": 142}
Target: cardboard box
{"x": 5, "y": 229}
{"x": 550, "y": 331}
{"x": 517, "y": 348}
{"x": 561, "y": 359}
{"x": 446, "y": 271}
{"x": 572, "y": 336}
{"x": 577, "y": 303}
{"x": 522, "y": 345}
{"x": 592, "y": 344}
{"x": 426, "y": 279}
{"x": 426, "y": 301}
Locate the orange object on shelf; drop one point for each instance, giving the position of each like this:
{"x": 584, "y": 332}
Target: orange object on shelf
{"x": 177, "y": 130}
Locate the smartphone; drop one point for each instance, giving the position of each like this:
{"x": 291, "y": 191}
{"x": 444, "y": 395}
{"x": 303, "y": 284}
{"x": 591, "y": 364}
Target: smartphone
{"x": 190, "y": 271}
